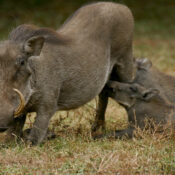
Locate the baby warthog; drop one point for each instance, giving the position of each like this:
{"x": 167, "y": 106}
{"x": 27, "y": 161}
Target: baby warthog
{"x": 151, "y": 96}
{"x": 61, "y": 70}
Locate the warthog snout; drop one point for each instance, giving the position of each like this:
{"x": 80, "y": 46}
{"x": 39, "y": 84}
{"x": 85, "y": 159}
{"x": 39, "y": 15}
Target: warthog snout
{"x": 8, "y": 110}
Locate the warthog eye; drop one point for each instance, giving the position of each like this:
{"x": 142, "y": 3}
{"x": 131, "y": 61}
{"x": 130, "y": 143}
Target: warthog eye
{"x": 22, "y": 62}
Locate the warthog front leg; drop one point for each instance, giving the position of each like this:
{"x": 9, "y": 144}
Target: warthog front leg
{"x": 40, "y": 126}
{"x": 101, "y": 109}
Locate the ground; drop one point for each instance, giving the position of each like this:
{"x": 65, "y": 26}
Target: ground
{"x": 75, "y": 152}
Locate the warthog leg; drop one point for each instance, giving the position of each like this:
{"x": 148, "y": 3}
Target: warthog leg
{"x": 101, "y": 109}
{"x": 40, "y": 126}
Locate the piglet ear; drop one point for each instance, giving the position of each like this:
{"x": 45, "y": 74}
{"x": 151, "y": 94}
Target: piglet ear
{"x": 149, "y": 94}
{"x": 144, "y": 63}
{"x": 34, "y": 45}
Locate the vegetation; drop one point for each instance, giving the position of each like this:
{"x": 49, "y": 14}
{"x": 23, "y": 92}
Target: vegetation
{"x": 74, "y": 151}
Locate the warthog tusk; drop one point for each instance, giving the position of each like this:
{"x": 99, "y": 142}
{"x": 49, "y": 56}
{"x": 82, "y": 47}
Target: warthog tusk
{"x": 21, "y": 106}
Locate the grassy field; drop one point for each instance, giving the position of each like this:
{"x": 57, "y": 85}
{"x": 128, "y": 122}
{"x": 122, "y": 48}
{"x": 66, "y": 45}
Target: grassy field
{"x": 74, "y": 151}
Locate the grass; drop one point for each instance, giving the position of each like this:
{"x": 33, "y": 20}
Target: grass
{"x": 74, "y": 151}
{"x": 82, "y": 155}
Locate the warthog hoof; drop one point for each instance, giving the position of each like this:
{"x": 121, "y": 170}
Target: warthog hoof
{"x": 97, "y": 124}
{"x": 49, "y": 135}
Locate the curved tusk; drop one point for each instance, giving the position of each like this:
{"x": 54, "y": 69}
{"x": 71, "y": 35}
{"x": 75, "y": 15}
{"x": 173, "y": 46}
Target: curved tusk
{"x": 20, "y": 108}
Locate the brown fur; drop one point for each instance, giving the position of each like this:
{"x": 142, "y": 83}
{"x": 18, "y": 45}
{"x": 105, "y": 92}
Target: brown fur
{"x": 24, "y": 32}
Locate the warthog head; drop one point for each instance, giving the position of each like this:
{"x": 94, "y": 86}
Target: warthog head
{"x": 130, "y": 94}
{"x": 15, "y": 75}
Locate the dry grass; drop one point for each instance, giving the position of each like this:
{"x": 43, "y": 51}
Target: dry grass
{"x": 153, "y": 154}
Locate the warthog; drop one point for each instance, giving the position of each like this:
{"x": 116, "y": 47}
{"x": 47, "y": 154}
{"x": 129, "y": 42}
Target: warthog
{"x": 150, "y": 96}
{"x": 61, "y": 70}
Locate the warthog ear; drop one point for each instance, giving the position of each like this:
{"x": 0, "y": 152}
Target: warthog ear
{"x": 34, "y": 45}
{"x": 144, "y": 63}
{"x": 149, "y": 94}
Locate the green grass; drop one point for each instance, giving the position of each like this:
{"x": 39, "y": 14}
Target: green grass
{"x": 74, "y": 151}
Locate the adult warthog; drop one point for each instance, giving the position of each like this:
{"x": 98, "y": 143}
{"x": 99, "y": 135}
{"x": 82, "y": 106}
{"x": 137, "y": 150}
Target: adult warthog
{"x": 61, "y": 70}
{"x": 149, "y": 98}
